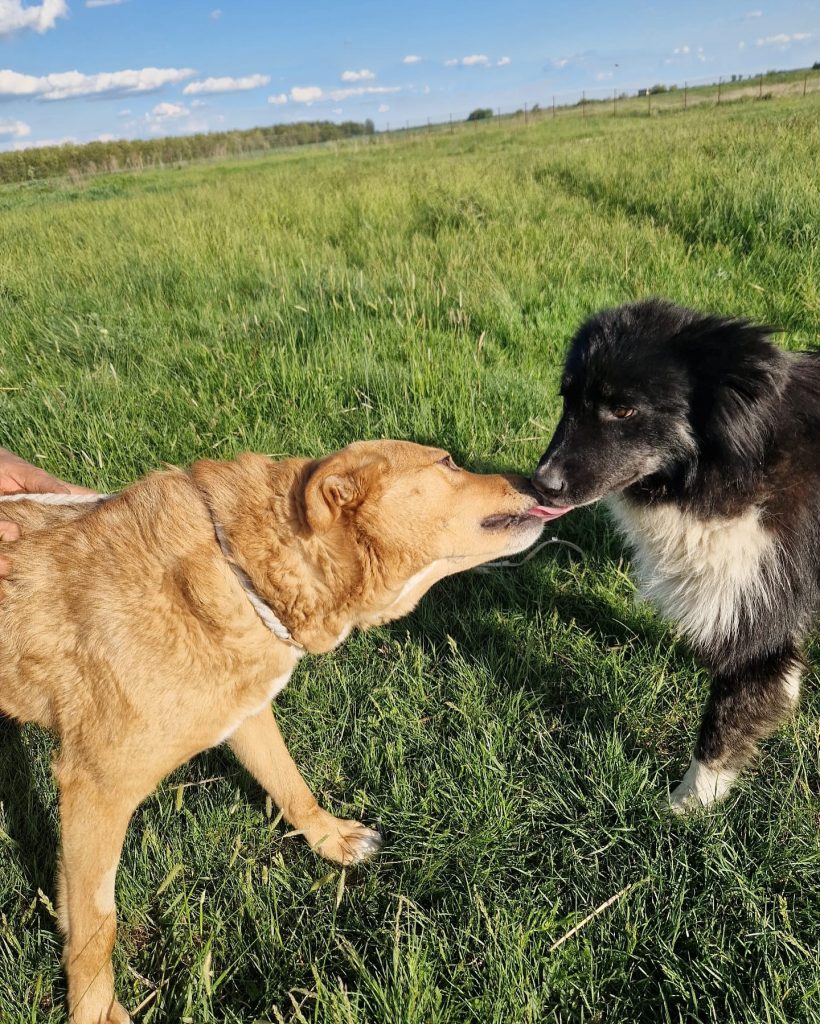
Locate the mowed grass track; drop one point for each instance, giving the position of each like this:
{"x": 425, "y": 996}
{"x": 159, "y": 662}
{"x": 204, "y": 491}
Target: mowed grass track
{"x": 513, "y": 738}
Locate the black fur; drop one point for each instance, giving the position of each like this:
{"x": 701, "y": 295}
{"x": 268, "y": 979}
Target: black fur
{"x": 724, "y": 422}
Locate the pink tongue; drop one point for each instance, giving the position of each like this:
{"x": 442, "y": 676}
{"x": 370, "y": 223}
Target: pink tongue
{"x": 545, "y": 512}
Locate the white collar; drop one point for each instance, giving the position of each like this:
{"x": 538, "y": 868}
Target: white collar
{"x": 261, "y": 607}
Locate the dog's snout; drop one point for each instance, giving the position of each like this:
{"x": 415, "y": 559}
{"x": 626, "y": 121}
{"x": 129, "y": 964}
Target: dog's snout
{"x": 549, "y": 479}
{"x": 523, "y": 486}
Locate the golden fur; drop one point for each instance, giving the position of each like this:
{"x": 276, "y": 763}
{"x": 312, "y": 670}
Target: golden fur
{"x": 124, "y": 630}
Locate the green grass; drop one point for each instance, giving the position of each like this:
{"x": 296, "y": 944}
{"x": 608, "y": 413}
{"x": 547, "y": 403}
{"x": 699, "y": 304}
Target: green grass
{"x": 515, "y": 736}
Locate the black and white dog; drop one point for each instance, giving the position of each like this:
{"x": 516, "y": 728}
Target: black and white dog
{"x": 706, "y": 439}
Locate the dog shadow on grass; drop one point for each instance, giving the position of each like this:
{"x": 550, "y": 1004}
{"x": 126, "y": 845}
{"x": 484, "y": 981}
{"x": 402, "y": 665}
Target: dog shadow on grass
{"x": 485, "y": 614}
{"x": 28, "y": 816}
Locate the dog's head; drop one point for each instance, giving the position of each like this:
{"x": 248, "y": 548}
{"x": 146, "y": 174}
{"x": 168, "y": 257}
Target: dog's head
{"x": 356, "y": 538}
{"x": 654, "y": 390}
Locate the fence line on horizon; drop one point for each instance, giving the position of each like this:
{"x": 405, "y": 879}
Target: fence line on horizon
{"x": 629, "y": 101}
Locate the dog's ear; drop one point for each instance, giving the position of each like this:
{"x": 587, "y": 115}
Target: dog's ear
{"x": 738, "y": 379}
{"x": 339, "y": 485}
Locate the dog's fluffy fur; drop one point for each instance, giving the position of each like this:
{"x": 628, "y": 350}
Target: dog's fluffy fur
{"x": 124, "y": 629}
{"x": 706, "y": 438}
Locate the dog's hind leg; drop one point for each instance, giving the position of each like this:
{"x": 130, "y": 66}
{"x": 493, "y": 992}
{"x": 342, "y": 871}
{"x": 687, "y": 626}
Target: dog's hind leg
{"x": 259, "y": 746}
{"x": 93, "y": 820}
{"x": 745, "y": 705}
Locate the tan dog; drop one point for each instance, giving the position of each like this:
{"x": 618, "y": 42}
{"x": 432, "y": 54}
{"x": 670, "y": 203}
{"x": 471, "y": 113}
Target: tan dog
{"x": 148, "y": 626}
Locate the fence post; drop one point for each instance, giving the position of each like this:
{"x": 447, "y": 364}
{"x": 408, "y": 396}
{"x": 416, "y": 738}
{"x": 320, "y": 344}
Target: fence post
{"x": 553, "y": 108}
{"x": 805, "y": 82}
{"x": 720, "y": 83}
{"x": 685, "y": 91}
{"x": 760, "y": 89}
{"x": 525, "y": 115}
{"x": 648, "y": 103}
{"x": 614, "y": 103}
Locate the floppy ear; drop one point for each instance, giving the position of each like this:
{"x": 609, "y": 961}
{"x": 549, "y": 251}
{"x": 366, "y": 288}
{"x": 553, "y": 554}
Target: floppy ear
{"x": 739, "y": 377}
{"x": 340, "y": 484}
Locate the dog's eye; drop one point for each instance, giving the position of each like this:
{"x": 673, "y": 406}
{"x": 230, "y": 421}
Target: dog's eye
{"x": 621, "y": 412}
{"x": 448, "y": 462}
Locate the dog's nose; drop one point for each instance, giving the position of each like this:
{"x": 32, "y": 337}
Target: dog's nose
{"x": 549, "y": 479}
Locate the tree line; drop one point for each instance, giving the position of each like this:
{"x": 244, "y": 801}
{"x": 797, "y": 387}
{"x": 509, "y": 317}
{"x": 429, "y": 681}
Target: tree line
{"x": 136, "y": 154}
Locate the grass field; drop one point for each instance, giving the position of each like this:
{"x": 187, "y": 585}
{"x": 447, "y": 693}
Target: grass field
{"x": 515, "y": 736}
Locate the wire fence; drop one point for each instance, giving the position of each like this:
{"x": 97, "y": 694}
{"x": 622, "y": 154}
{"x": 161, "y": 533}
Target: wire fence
{"x": 620, "y": 101}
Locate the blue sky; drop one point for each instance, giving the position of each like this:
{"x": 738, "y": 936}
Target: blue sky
{"x": 88, "y": 69}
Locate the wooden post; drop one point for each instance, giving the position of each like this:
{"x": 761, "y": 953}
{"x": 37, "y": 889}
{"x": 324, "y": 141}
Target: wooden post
{"x": 553, "y": 108}
{"x": 720, "y": 83}
{"x": 525, "y": 115}
{"x": 760, "y": 89}
{"x": 685, "y": 91}
{"x": 648, "y": 103}
{"x": 805, "y": 82}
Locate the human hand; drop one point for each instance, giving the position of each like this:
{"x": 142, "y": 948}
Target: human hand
{"x": 19, "y": 477}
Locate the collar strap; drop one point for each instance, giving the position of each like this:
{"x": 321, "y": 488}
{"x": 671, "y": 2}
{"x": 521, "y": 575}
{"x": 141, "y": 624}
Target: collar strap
{"x": 260, "y": 606}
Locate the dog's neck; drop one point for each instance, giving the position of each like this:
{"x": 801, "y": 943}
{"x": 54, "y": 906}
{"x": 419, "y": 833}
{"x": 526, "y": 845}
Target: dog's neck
{"x": 259, "y": 605}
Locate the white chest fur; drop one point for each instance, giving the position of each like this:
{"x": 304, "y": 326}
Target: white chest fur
{"x": 699, "y": 572}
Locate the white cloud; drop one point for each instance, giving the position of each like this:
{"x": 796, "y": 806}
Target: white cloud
{"x": 14, "y": 129}
{"x": 168, "y": 111}
{"x": 66, "y": 140}
{"x": 782, "y": 39}
{"x": 475, "y": 58}
{"x": 314, "y": 93}
{"x": 306, "y": 93}
{"x": 104, "y": 3}
{"x": 39, "y": 17}
{"x": 362, "y": 90}
{"x": 199, "y": 103}
{"x": 106, "y": 136}
{"x": 279, "y": 99}
{"x": 215, "y": 14}
{"x": 411, "y": 58}
{"x": 503, "y": 62}
{"x": 66, "y": 85}
{"x": 681, "y": 50}
{"x": 226, "y": 84}
{"x": 383, "y": 108}
{"x": 358, "y": 76}
{"x": 451, "y": 63}
{"x": 561, "y": 62}
{"x": 754, "y": 14}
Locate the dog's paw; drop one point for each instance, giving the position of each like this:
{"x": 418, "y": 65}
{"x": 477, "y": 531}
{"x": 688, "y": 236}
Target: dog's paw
{"x": 114, "y": 1014}
{"x": 340, "y": 840}
{"x": 700, "y": 787}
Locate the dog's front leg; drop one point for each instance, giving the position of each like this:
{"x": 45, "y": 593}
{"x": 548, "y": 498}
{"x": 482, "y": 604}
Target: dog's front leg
{"x": 93, "y": 821}
{"x": 259, "y": 746}
{"x": 745, "y": 705}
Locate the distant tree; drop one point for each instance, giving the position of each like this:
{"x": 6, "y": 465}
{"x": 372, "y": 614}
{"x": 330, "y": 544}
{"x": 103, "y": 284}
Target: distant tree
{"x": 816, "y": 66}
{"x": 480, "y": 114}
{"x": 76, "y": 160}
{"x": 659, "y": 87}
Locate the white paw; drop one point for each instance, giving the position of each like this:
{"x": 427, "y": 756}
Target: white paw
{"x": 700, "y": 787}
{"x": 343, "y": 841}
